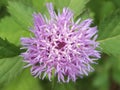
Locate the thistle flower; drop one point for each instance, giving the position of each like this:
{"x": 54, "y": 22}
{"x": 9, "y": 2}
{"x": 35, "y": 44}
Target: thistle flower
{"x": 60, "y": 46}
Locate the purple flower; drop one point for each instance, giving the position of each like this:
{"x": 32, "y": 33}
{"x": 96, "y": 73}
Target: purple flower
{"x": 61, "y": 47}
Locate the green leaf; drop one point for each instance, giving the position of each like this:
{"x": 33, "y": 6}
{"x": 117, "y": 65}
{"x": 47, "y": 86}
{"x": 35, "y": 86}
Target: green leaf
{"x": 8, "y": 49}
{"x": 85, "y": 15}
{"x": 110, "y": 26}
{"x": 116, "y": 75}
{"x": 105, "y": 8}
{"x": 101, "y": 81}
{"x": 3, "y": 2}
{"x": 117, "y": 3}
{"x": 39, "y": 5}
{"x": 21, "y": 13}
{"x": 60, "y": 4}
{"x": 101, "y": 78}
{"x": 109, "y": 34}
{"x": 10, "y": 68}
{"x": 111, "y": 45}
{"x": 64, "y": 86}
{"x": 116, "y": 69}
{"x": 25, "y": 81}
{"x": 77, "y": 6}
{"x": 26, "y": 2}
{"x": 10, "y": 30}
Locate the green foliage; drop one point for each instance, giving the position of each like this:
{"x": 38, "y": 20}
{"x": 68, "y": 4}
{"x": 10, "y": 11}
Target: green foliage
{"x": 101, "y": 80}
{"x": 109, "y": 27}
{"x": 104, "y": 8}
{"x": 60, "y": 4}
{"x": 2, "y": 2}
{"x": 12, "y": 31}
{"x": 10, "y": 68}
{"x": 109, "y": 34}
{"x": 116, "y": 75}
{"x": 117, "y": 3}
{"x": 39, "y": 5}
{"x": 106, "y": 14}
{"x": 8, "y": 49}
{"x": 111, "y": 45}
{"x": 65, "y": 86}
{"x": 24, "y": 82}
{"x": 116, "y": 69}
{"x": 21, "y": 14}
{"x": 78, "y": 6}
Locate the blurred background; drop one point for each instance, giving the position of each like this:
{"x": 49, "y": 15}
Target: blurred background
{"x": 15, "y": 20}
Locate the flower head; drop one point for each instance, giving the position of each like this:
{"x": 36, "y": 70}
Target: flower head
{"x": 60, "y": 46}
